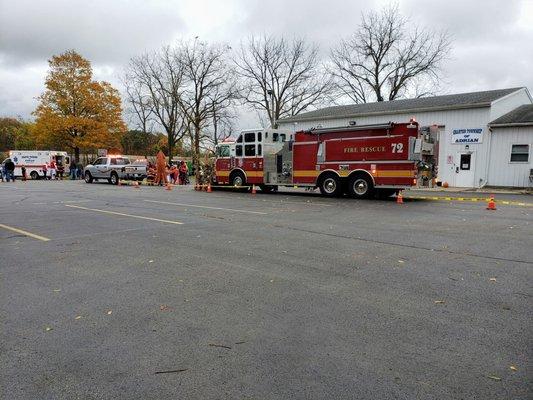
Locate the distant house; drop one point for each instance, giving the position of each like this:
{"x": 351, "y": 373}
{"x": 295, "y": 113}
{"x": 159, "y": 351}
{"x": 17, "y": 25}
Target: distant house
{"x": 484, "y": 138}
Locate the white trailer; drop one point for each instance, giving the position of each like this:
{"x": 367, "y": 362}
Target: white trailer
{"x": 35, "y": 160}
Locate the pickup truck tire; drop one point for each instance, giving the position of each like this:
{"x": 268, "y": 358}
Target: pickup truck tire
{"x": 360, "y": 186}
{"x": 113, "y": 179}
{"x": 34, "y": 175}
{"x": 330, "y": 185}
{"x": 88, "y": 177}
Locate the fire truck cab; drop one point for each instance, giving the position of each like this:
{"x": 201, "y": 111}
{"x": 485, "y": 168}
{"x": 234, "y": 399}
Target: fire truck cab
{"x": 356, "y": 160}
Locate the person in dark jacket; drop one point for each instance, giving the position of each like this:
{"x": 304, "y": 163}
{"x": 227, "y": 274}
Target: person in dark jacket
{"x": 10, "y": 170}
{"x": 72, "y": 169}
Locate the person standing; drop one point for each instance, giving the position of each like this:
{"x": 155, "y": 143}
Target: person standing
{"x": 45, "y": 170}
{"x": 3, "y": 172}
{"x": 10, "y": 170}
{"x": 23, "y": 171}
{"x": 52, "y": 170}
{"x": 184, "y": 170}
{"x": 72, "y": 169}
{"x": 60, "y": 170}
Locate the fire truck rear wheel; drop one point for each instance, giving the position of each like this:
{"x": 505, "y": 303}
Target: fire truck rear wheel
{"x": 237, "y": 179}
{"x": 34, "y": 175}
{"x": 330, "y": 185}
{"x": 360, "y": 186}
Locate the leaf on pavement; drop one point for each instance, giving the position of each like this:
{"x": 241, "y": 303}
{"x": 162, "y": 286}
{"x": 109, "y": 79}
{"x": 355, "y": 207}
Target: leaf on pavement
{"x": 48, "y": 328}
{"x": 401, "y": 261}
{"x": 57, "y": 290}
{"x": 494, "y": 378}
{"x": 109, "y": 312}
{"x": 439, "y": 301}
{"x": 78, "y": 317}
{"x": 492, "y": 279}
{"x": 513, "y": 368}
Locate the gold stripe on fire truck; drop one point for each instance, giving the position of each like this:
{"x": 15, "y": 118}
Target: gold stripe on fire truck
{"x": 250, "y": 174}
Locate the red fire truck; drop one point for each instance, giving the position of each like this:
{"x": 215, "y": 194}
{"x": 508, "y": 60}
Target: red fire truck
{"x": 357, "y": 160}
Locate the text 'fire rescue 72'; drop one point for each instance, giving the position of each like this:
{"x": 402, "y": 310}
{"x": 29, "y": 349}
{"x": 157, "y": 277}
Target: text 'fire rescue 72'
{"x": 356, "y": 160}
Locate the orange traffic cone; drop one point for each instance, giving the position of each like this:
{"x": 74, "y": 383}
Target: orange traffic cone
{"x": 209, "y": 188}
{"x": 253, "y": 189}
{"x": 168, "y": 186}
{"x": 491, "y": 205}
{"x": 399, "y": 198}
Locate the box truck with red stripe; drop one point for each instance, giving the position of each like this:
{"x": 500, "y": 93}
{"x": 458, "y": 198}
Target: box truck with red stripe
{"x": 356, "y": 160}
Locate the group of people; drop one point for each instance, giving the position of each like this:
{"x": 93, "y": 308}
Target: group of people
{"x": 175, "y": 174}
{"x": 51, "y": 171}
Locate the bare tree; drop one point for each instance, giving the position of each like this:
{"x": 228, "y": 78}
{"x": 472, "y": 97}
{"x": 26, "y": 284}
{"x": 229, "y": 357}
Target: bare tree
{"x": 280, "y": 77}
{"x": 156, "y": 81}
{"x": 209, "y": 92}
{"x": 139, "y": 105}
{"x": 388, "y": 57}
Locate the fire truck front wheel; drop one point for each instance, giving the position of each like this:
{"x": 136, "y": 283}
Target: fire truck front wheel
{"x": 330, "y": 185}
{"x": 237, "y": 179}
{"x": 360, "y": 186}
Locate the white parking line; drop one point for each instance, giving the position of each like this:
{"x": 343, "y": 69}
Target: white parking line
{"x": 208, "y": 207}
{"x": 25, "y": 233}
{"x": 166, "y": 221}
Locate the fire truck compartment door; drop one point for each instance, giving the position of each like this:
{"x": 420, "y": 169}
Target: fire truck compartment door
{"x": 415, "y": 149}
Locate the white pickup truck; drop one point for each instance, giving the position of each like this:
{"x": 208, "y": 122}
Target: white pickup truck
{"x": 113, "y": 169}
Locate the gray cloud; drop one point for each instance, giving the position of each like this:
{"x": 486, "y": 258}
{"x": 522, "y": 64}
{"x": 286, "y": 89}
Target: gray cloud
{"x": 490, "y": 49}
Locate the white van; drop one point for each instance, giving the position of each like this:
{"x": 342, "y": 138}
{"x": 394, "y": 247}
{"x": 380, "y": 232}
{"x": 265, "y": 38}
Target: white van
{"x": 35, "y": 160}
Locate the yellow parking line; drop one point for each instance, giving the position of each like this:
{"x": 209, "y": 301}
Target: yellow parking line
{"x": 208, "y": 207}
{"x": 166, "y": 221}
{"x": 25, "y": 233}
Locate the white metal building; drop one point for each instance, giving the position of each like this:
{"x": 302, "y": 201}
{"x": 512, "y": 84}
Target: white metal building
{"x": 511, "y": 148}
{"x": 471, "y": 150}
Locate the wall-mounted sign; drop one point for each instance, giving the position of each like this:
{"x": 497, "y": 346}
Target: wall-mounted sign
{"x": 467, "y": 135}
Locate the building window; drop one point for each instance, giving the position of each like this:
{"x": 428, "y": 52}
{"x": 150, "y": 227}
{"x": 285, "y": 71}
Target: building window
{"x": 238, "y": 150}
{"x": 520, "y": 153}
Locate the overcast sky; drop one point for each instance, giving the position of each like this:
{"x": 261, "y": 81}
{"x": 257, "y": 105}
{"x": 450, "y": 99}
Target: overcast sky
{"x": 492, "y": 39}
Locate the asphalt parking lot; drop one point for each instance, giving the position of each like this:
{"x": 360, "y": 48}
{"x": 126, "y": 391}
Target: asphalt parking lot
{"x": 117, "y": 292}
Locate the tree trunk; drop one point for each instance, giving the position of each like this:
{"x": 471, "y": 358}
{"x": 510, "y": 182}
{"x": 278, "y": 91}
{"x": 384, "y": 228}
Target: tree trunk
{"x": 196, "y": 152}
{"x": 77, "y": 154}
{"x": 170, "y": 150}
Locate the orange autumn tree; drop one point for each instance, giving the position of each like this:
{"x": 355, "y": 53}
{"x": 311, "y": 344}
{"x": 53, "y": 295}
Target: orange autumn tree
{"x": 75, "y": 111}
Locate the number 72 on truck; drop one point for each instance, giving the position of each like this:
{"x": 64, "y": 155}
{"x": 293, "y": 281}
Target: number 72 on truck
{"x": 355, "y": 160}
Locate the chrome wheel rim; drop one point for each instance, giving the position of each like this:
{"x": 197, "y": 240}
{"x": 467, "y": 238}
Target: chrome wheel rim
{"x": 360, "y": 187}
{"x": 330, "y": 185}
{"x": 237, "y": 181}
